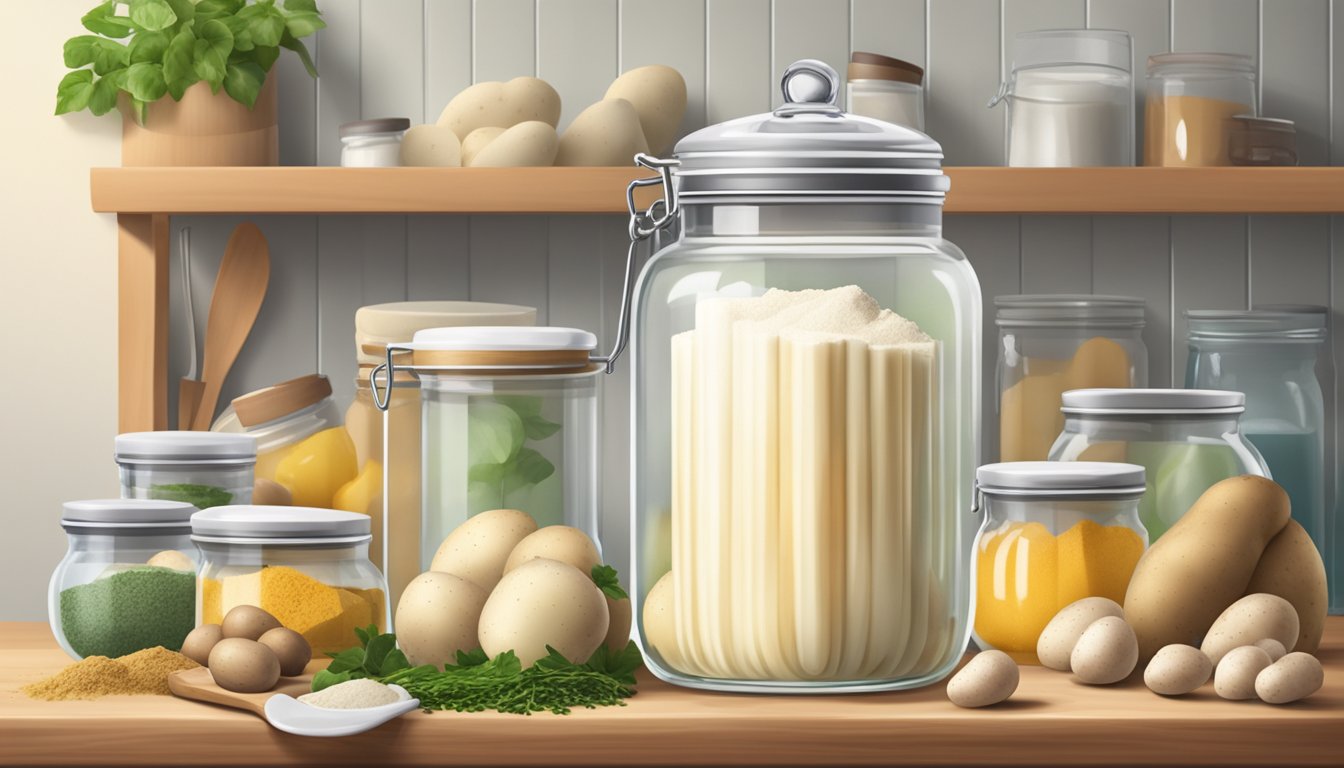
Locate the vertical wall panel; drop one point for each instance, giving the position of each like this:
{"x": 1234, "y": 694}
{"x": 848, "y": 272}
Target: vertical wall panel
{"x": 1208, "y": 272}
{"x": 1148, "y": 23}
{"x": 438, "y": 258}
{"x": 1226, "y": 26}
{"x": 392, "y": 59}
{"x": 338, "y": 86}
{"x": 508, "y": 261}
{"x": 504, "y": 42}
{"x": 738, "y": 80}
{"x": 447, "y": 53}
{"x": 298, "y": 109}
{"x": 574, "y": 266}
{"x": 1295, "y": 74}
{"x": 963, "y": 73}
{"x": 576, "y": 51}
{"x": 1337, "y": 84}
{"x": 1290, "y": 260}
{"x": 1056, "y": 254}
{"x": 1027, "y": 15}
{"x": 651, "y": 35}
{"x": 1131, "y": 256}
{"x": 615, "y": 393}
{"x": 1335, "y": 516}
{"x": 810, "y": 29}
{"x": 889, "y": 27}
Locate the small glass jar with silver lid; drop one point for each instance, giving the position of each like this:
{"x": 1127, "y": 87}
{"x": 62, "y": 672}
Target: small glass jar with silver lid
{"x": 373, "y": 143}
{"x": 204, "y": 469}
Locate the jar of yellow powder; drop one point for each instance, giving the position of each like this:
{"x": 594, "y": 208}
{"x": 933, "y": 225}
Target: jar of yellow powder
{"x": 307, "y": 567}
{"x": 1049, "y": 344}
{"x": 1054, "y": 533}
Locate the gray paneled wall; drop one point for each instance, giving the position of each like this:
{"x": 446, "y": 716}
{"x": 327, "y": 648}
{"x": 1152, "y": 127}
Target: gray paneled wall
{"x": 409, "y": 57}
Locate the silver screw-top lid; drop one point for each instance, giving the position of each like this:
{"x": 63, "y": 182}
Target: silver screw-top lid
{"x": 1155, "y": 402}
{"x": 1061, "y": 479}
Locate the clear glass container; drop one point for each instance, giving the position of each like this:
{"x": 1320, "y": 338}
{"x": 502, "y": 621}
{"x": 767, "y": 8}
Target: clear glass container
{"x": 1049, "y": 344}
{"x": 1070, "y": 99}
{"x": 204, "y": 469}
{"x": 1191, "y": 100}
{"x": 509, "y": 421}
{"x": 1054, "y": 533}
{"x": 1264, "y": 141}
{"x": 309, "y": 568}
{"x": 127, "y": 581}
{"x": 884, "y": 88}
{"x": 1186, "y": 439}
{"x": 1271, "y": 356}
{"x": 373, "y": 143}
{"x": 806, "y": 355}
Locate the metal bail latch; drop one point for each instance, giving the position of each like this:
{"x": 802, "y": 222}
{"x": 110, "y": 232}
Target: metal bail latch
{"x": 389, "y": 369}
{"x": 643, "y": 224}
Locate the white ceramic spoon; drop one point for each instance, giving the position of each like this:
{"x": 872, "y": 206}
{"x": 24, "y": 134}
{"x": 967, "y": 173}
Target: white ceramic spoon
{"x": 293, "y": 716}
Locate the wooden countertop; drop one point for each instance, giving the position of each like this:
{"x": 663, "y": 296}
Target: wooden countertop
{"x": 1050, "y": 720}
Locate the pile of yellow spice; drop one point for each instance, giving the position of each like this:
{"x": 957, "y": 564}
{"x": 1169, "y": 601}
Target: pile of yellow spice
{"x": 140, "y": 673}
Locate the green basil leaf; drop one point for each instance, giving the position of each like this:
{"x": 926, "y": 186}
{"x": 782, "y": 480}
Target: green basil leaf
{"x": 265, "y": 56}
{"x": 494, "y": 433}
{"x": 606, "y": 579}
{"x": 375, "y": 653}
{"x": 531, "y": 467}
{"x": 78, "y": 51}
{"x": 265, "y": 23}
{"x": 74, "y": 91}
{"x": 347, "y": 660}
{"x": 184, "y": 10}
{"x": 363, "y": 638}
{"x": 105, "y": 90}
{"x": 207, "y": 64}
{"x": 619, "y": 665}
{"x": 149, "y": 47}
{"x": 152, "y": 15}
{"x": 145, "y": 81}
{"x": 394, "y": 662}
{"x": 243, "y": 82}
{"x": 303, "y": 23}
{"x": 473, "y": 658}
{"x": 179, "y": 64}
{"x": 297, "y": 46}
{"x": 326, "y": 678}
{"x": 537, "y": 428}
{"x": 109, "y": 55}
{"x": 104, "y": 20}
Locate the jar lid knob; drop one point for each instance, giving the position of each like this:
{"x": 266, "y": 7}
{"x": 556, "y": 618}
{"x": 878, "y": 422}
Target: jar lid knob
{"x": 810, "y": 81}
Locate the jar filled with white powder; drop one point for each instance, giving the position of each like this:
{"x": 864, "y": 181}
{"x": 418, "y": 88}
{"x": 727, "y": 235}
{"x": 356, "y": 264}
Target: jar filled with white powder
{"x": 887, "y": 89}
{"x": 373, "y": 143}
{"x": 1070, "y": 97}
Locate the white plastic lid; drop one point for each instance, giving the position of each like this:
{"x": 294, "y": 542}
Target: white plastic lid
{"x": 1069, "y": 310}
{"x": 1067, "y": 479}
{"x": 1303, "y": 323}
{"x": 1062, "y": 47}
{"x": 1153, "y": 401}
{"x": 126, "y": 513}
{"x": 186, "y": 447}
{"x": 293, "y": 525}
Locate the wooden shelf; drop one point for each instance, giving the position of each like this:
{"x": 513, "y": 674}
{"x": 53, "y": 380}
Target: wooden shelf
{"x": 1050, "y": 721}
{"x": 602, "y": 190}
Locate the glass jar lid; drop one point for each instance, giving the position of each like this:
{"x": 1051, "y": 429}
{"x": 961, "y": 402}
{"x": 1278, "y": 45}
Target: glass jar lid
{"x": 256, "y": 524}
{"x": 131, "y": 515}
{"x": 1200, "y": 63}
{"x": 1061, "y": 479}
{"x": 809, "y": 150}
{"x": 1069, "y": 310}
{"x": 1065, "y": 47}
{"x": 490, "y": 349}
{"x": 1303, "y": 323}
{"x": 185, "y": 447}
{"x": 375, "y": 126}
{"x": 1155, "y": 402}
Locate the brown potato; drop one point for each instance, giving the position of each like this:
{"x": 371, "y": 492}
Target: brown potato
{"x": 247, "y": 621}
{"x": 290, "y": 648}
{"x": 200, "y": 641}
{"x": 1292, "y": 569}
{"x": 244, "y": 666}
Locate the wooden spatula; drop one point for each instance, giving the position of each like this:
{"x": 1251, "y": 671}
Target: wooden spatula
{"x": 239, "y": 290}
{"x": 197, "y": 684}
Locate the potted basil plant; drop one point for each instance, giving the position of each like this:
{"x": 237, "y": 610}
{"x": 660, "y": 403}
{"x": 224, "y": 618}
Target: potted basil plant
{"x": 210, "y": 58}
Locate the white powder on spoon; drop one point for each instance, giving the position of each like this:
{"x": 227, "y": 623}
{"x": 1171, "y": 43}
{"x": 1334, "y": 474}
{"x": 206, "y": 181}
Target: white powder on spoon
{"x": 352, "y": 694}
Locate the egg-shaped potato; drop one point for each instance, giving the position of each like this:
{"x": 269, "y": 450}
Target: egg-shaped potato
{"x": 290, "y": 648}
{"x": 478, "y": 140}
{"x": 658, "y": 94}
{"x": 270, "y": 493}
{"x": 478, "y": 549}
{"x": 618, "y": 625}
{"x": 1252, "y": 618}
{"x": 1272, "y": 647}
{"x": 247, "y": 621}
{"x": 243, "y": 666}
{"x": 563, "y": 543}
{"x": 988, "y": 678}
{"x": 200, "y": 641}
{"x": 437, "y": 616}
{"x": 1293, "y": 677}
{"x": 1291, "y": 567}
{"x": 1235, "y": 675}
{"x": 532, "y": 143}
{"x": 1177, "y": 670}
{"x": 1059, "y": 637}
{"x": 1106, "y": 652}
{"x": 541, "y": 603}
{"x": 660, "y": 622}
{"x": 501, "y": 105}
{"x": 171, "y": 558}
{"x": 606, "y": 133}
{"x": 432, "y": 146}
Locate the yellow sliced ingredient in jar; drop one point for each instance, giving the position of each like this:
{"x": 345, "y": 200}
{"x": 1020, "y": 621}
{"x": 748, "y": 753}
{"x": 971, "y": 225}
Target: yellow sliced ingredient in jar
{"x": 325, "y": 615}
{"x": 314, "y": 469}
{"x": 140, "y": 673}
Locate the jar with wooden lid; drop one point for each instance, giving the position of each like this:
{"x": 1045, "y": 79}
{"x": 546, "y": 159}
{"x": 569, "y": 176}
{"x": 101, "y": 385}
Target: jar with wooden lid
{"x": 884, "y": 88}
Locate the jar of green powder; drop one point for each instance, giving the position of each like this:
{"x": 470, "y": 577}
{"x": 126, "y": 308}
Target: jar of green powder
{"x": 128, "y": 579}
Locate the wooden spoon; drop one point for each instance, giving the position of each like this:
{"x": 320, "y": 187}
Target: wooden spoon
{"x": 197, "y": 684}
{"x": 239, "y": 290}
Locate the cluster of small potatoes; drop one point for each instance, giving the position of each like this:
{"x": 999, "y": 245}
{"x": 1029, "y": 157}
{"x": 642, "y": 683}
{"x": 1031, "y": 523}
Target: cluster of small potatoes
{"x": 513, "y": 124}
{"x": 1247, "y": 646}
{"x": 500, "y": 583}
{"x": 249, "y": 651}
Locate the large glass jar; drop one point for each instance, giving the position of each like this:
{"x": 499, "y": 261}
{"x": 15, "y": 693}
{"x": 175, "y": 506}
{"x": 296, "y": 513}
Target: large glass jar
{"x": 1049, "y": 344}
{"x": 1272, "y": 357}
{"x": 127, "y": 581}
{"x": 309, "y": 568}
{"x": 806, "y": 380}
{"x": 1186, "y": 439}
{"x": 1192, "y": 98}
{"x": 1054, "y": 533}
{"x": 204, "y": 469}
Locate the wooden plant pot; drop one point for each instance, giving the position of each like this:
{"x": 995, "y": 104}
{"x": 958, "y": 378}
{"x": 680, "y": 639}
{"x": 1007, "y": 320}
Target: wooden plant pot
{"x": 204, "y": 129}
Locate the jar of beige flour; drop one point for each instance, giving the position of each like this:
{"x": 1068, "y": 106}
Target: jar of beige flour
{"x": 1192, "y": 98}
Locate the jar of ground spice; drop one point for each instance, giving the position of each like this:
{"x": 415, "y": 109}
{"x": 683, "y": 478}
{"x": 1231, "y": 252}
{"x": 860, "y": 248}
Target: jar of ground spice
{"x": 128, "y": 580}
{"x": 309, "y": 568}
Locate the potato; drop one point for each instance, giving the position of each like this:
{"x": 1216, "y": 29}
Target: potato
{"x": 556, "y": 542}
{"x": 618, "y": 626}
{"x": 431, "y": 146}
{"x": 438, "y": 615}
{"x": 1291, "y": 568}
{"x": 478, "y": 140}
{"x": 1203, "y": 563}
{"x": 477, "y": 549}
{"x": 200, "y": 641}
{"x": 541, "y": 603}
{"x": 607, "y": 133}
{"x": 1236, "y": 673}
{"x": 532, "y": 143}
{"x": 1295, "y": 676}
{"x": 660, "y": 623}
{"x": 1057, "y": 640}
{"x": 988, "y": 678}
{"x": 290, "y": 648}
{"x": 501, "y": 105}
{"x": 171, "y": 558}
{"x": 658, "y": 94}
{"x": 1106, "y": 652}
{"x": 247, "y": 621}
{"x": 1177, "y": 670}
{"x": 271, "y": 494}
{"x": 1252, "y": 618}
{"x": 1272, "y": 647}
{"x": 243, "y": 666}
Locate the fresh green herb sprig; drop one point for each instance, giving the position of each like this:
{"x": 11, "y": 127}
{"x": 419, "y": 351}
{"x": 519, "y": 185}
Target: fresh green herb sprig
{"x": 195, "y": 494}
